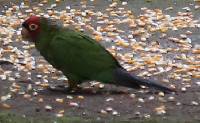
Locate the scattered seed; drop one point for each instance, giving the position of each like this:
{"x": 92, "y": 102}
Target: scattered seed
{"x": 132, "y": 95}
{"x": 162, "y": 94}
{"x": 160, "y": 110}
{"x": 59, "y": 100}
{"x": 194, "y": 103}
{"x": 109, "y": 109}
{"x": 141, "y": 100}
{"x": 178, "y": 103}
{"x": 27, "y": 96}
{"x": 73, "y": 104}
{"x": 151, "y": 98}
{"x": 59, "y": 115}
{"x": 6, "y": 106}
{"x": 6, "y": 97}
{"x": 137, "y": 113}
{"x": 103, "y": 112}
{"x": 115, "y": 113}
{"x": 109, "y": 99}
{"x": 171, "y": 98}
{"x": 81, "y": 97}
{"x": 142, "y": 27}
{"x": 183, "y": 89}
{"x": 69, "y": 97}
{"x": 48, "y": 108}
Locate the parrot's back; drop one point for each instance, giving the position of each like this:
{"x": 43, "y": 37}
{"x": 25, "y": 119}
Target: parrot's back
{"x": 82, "y": 59}
{"x": 78, "y": 56}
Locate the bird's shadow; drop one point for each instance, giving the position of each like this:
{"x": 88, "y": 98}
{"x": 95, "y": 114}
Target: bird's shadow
{"x": 90, "y": 92}
{"x": 93, "y": 92}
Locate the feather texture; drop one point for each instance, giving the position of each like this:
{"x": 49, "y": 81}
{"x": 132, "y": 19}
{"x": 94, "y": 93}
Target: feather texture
{"x": 82, "y": 59}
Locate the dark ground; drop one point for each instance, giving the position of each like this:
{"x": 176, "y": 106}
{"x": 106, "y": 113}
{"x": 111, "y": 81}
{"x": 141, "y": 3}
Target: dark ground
{"x": 92, "y": 104}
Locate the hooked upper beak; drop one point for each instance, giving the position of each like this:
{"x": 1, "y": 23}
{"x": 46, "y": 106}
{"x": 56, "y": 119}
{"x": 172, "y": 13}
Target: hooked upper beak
{"x": 25, "y": 34}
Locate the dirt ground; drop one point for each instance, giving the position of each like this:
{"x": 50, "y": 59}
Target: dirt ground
{"x": 110, "y": 102}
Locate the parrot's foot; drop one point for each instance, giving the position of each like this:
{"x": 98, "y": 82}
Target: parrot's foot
{"x": 61, "y": 88}
{"x": 66, "y": 89}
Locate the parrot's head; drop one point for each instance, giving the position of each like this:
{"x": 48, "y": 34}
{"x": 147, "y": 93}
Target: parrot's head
{"x": 31, "y": 28}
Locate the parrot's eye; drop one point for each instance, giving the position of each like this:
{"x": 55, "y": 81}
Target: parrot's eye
{"x": 33, "y": 27}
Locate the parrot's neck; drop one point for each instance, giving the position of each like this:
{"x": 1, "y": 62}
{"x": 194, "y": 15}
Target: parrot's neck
{"x": 44, "y": 39}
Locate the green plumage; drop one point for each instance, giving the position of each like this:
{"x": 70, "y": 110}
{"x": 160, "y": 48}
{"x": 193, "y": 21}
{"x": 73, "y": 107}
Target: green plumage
{"x": 82, "y": 59}
{"x": 78, "y": 56}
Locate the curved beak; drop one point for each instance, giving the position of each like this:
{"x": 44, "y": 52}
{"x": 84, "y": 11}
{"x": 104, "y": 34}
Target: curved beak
{"x": 25, "y": 34}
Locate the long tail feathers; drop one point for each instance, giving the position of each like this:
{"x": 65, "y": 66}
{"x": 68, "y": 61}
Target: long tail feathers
{"x": 123, "y": 78}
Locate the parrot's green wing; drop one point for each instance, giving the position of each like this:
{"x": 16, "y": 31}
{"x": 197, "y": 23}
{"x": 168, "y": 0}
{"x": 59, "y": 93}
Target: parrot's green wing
{"x": 80, "y": 57}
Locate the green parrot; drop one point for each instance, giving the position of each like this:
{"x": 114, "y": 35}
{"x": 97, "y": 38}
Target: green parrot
{"x": 78, "y": 56}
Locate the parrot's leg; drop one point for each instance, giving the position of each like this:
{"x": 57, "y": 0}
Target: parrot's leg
{"x": 73, "y": 82}
{"x": 73, "y": 87}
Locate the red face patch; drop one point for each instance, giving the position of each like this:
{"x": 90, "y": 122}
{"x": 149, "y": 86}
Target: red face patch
{"x": 32, "y": 25}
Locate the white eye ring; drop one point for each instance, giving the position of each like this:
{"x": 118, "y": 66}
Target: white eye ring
{"x": 33, "y": 27}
